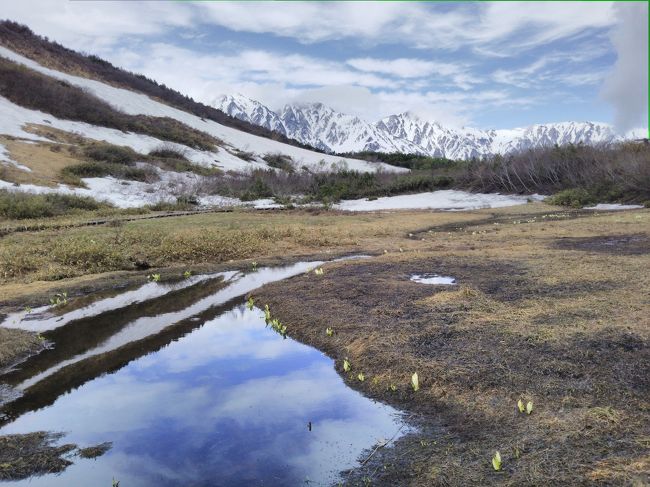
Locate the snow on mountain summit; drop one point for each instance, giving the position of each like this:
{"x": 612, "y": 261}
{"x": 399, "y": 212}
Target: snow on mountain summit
{"x": 326, "y": 129}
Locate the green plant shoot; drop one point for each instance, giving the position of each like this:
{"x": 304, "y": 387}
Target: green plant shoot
{"x": 361, "y": 377}
{"x": 529, "y": 407}
{"x": 346, "y": 365}
{"x": 496, "y": 461}
{"x": 329, "y": 331}
{"x": 520, "y": 406}
{"x": 415, "y": 382}
{"x": 250, "y": 303}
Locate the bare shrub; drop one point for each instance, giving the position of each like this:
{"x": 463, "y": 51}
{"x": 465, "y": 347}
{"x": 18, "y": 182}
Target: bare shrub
{"x": 608, "y": 172}
{"x": 169, "y": 151}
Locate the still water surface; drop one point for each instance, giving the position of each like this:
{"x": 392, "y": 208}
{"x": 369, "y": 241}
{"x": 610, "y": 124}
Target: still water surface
{"x": 193, "y": 389}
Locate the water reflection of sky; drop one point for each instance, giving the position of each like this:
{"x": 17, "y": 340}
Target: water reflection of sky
{"x": 226, "y": 405}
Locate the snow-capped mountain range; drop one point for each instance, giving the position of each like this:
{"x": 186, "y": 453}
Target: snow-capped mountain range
{"x": 319, "y": 126}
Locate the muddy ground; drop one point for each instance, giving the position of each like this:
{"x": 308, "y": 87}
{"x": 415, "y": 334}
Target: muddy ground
{"x": 550, "y": 306}
{"x": 535, "y": 315}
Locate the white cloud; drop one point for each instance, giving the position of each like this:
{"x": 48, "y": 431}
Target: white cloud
{"x": 626, "y": 87}
{"x": 538, "y": 23}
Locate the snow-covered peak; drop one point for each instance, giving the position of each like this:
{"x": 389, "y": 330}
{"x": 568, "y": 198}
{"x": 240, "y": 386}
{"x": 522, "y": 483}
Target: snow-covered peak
{"x": 249, "y": 110}
{"x": 320, "y": 126}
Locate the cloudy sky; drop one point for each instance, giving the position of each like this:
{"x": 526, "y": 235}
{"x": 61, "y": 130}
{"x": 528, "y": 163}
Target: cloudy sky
{"x": 486, "y": 64}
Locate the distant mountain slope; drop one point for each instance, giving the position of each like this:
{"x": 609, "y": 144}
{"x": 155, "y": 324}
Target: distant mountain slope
{"x": 321, "y": 127}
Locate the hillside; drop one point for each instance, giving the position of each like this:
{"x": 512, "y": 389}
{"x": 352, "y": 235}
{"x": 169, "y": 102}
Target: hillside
{"x": 19, "y": 38}
{"x": 52, "y": 122}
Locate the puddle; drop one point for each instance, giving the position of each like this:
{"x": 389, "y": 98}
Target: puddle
{"x": 433, "y": 279}
{"x": 193, "y": 389}
{"x": 46, "y": 318}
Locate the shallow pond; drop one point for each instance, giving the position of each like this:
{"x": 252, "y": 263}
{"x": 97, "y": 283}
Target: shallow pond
{"x": 192, "y": 389}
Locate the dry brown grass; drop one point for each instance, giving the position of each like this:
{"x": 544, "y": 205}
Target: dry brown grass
{"x": 16, "y": 344}
{"x": 566, "y": 328}
{"x": 46, "y": 160}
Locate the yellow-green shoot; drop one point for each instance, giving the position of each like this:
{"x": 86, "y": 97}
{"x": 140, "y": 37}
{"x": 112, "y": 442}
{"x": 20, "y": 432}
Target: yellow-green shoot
{"x": 346, "y": 365}
{"x": 496, "y": 461}
{"x": 415, "y": 382}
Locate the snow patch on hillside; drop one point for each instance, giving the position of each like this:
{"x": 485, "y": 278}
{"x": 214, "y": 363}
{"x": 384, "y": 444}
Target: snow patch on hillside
{"x": 14, "y": 118}
{"x": 138, "y": 104}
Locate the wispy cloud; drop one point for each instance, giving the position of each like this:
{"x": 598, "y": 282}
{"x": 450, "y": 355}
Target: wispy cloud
{"x": 456, "y": 73}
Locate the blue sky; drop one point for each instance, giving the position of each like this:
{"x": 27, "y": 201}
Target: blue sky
{"x": 485, "y": 64}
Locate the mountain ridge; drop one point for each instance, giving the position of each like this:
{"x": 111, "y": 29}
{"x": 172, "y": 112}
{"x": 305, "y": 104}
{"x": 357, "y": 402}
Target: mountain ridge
{"x": 320, "y": 126}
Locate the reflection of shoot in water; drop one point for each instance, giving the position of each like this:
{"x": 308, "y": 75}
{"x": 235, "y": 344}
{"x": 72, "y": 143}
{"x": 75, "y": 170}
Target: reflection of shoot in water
{"x": 267, "y": 314}
{"x": 279, "y": 327}
{"x": 274, "y": 322}
{"x": 59, "y": 299}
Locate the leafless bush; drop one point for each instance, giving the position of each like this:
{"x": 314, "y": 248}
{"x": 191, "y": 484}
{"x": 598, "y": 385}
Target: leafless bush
{"x": 169, "y": 151}
{"x": 612, "y": 171}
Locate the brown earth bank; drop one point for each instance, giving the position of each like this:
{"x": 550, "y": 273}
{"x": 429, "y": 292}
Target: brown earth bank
{"x": 23, "y": 456}
{"x": 551, "y": 306}
{"x": 536, "y": 315}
